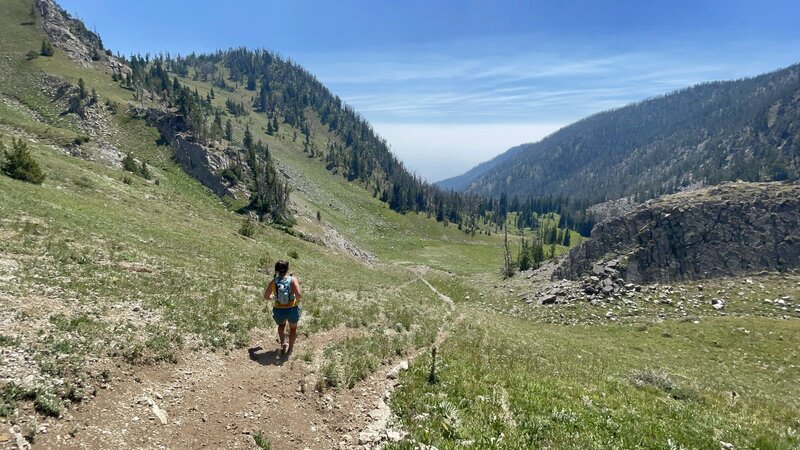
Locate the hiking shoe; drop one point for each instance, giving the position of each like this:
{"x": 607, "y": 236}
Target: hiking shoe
{"x": 285, "y": 348}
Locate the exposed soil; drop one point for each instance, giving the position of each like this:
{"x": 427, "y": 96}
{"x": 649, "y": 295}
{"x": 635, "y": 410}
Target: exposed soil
{"x": 211, "y": 400}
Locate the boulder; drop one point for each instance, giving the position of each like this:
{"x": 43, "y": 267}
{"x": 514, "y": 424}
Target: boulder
{"x": 548, "y": 299}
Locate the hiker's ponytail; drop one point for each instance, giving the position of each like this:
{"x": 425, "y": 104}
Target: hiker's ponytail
{"x": 281, "y": 268}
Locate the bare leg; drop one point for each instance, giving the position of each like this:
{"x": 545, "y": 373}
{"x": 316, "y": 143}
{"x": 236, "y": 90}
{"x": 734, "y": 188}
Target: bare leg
{"x": 292, "y": 336}
{"x": 282, "y": 335}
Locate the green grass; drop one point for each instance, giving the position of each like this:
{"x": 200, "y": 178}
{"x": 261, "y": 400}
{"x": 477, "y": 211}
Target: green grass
{"x": 102, "y": 245}
{"x": 399, "y": 323}
{"x": 518, "y": 384}
{"x": 140, "y": 272}
{"x": 262, "y": 441}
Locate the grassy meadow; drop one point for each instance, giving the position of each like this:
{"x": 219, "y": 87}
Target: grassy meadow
{"x": 103, "y": 271}
{"x": 513, "y": 383}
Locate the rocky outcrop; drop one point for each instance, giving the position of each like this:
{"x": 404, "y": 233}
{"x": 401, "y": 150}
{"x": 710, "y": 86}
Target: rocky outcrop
{"x": 197, "y": 160}
{"x": 612, "y": 208}
{"x": 729, "y": 229}
{"x": 73, "y": 38}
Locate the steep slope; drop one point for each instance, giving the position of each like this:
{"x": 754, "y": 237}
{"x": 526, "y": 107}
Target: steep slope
{"x": 268, "y": 94}
{"x": 132, "y": 314}
{"x": 104, "y": 271}
{"x": 746, "y": 129}
{"x": 462, "y": 182}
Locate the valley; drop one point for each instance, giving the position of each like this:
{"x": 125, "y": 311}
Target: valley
{"x": 131, "y": 307}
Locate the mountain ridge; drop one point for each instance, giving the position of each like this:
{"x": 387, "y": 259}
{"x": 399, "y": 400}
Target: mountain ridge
{"x": 461, "y": 182}
{"x": 711, "y": 132}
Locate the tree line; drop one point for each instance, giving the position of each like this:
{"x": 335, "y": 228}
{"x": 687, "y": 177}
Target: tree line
{"x": 285, "y": 93}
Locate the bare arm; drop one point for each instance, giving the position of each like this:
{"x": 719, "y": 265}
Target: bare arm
{"x": 269, "y": 290}
{"x": 296, "y": 288}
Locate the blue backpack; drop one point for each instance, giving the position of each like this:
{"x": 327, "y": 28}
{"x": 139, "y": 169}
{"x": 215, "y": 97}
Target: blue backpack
{"x": 283, "y": 290}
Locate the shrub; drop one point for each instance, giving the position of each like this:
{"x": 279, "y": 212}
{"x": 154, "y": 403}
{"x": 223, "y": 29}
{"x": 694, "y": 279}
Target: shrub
{"x": 112, "y": 106}
{"x": 230, "y": 176}
{"x": 9, "y": 395}
{"x": 294, "y": 255}
{"x": 19, "y": 163}
{"x": 265, "y": 263}
{"x": 47, "y": 404}
{"x": 262, "y": 441}
{"x": 47, "y": 48}
{"x": 127, "y": 180}
{"x": 247, "y": 229}
{"x": 129, "y": 164}
{"x": 144, "y": 171}
{"x": 80, "y": 139}
{"x": 647, "y": 377}
{"x": 663, "y": 382}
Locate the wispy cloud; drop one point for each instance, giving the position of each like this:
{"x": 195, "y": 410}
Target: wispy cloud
{"x": 447, "y": 106}
{"x": 510, "y": 84}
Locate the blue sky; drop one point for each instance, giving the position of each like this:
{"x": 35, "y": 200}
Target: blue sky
{"x": 453, "y": 83}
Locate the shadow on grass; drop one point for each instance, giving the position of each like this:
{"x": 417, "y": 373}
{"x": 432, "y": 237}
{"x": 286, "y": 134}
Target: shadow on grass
{"x": 267, "y": 358}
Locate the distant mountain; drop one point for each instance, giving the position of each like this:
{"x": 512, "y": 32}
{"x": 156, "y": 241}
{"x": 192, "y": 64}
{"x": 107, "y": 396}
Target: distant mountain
{"x": 747, "y": 129}
{"x": 462, "y": 182}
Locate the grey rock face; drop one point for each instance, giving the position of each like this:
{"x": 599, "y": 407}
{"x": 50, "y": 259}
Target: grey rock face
{"x": 70, "y": 36}
{"x": 729, "y": 229}
{"x": 195, "y": 159}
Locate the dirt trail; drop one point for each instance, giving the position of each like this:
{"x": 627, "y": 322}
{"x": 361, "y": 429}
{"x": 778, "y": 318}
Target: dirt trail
{"x": 380, "y": 429}
{"x": 211, "y": 400}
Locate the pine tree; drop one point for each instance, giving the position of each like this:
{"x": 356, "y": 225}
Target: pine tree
{"x": 81, "y": 88}
{"x": 524, "y": 260}
{"x": 229, "y": 131}
{"x": 144, "y": 171}
{"x": 537, "y": 254}
{"x": 216, "y": 126}
{"x": 508, "y": 270}
{"x": 567, "y": 240}
{"x": 129, "y": 164}
{"x": 47, "y": 48}
{"x": 19, "y": 163}
{"x": 247, "y": 142}
{"x": 263, "y": 96}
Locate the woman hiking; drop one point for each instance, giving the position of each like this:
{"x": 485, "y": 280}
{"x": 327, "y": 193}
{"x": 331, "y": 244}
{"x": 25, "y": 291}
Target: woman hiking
{"x": 284, "y": 289}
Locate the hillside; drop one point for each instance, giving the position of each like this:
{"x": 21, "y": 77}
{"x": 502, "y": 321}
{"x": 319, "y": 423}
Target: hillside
{"x": 106, "y": 272}
{"x": 131, "y": 285}
{"x": 461, "y": 182}
{"x": 744, "y": 129}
